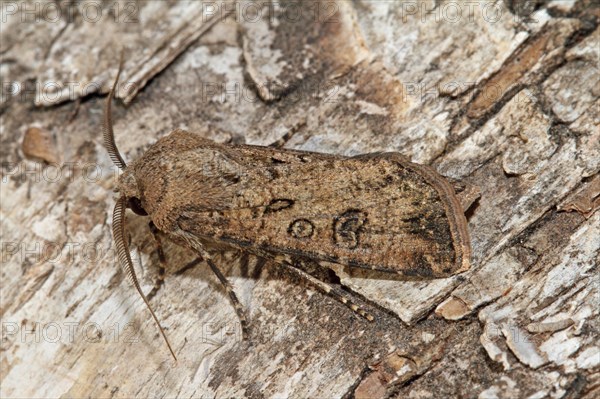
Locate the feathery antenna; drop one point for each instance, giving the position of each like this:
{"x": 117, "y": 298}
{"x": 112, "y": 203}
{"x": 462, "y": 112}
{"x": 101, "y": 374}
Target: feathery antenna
{"x": 127, "y": 264}
{"x": 109, "y": 137}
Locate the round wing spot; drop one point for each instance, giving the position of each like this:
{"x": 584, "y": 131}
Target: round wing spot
{"x": 301, "y": 228}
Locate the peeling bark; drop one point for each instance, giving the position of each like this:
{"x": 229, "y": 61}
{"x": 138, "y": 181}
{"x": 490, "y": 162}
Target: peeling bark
{"x": 505, "y": 103}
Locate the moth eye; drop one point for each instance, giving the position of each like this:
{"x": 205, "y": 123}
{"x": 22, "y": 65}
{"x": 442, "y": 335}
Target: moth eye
{"x": 136, "y": 206}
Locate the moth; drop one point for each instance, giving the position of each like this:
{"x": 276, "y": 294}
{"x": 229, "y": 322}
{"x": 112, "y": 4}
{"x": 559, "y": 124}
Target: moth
{"x": 377, "y": 211}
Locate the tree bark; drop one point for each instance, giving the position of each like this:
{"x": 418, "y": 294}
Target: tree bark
{"x": 501, "y": 96}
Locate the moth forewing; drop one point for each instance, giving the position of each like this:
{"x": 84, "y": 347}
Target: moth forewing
{"x": 377, "y": 212}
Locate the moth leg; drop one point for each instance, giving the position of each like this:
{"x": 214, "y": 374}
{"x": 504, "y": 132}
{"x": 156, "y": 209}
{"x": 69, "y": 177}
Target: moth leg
{"x": 279, "y": 143}
{"x": 160, "y": 279}
{"x": 239, "y": 309}
{"x": 335, "y": 292}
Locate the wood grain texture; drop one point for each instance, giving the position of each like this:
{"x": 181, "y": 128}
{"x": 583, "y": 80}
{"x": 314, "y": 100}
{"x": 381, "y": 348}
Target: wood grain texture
{"x": 372, "y": 76}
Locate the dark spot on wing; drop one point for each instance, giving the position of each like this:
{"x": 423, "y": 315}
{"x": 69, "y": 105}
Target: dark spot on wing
{"x": 347, "y": 228}
{"x": 231, "y": 178}
{"x": 279, "y": 204}
{"x": 277, "y": 161}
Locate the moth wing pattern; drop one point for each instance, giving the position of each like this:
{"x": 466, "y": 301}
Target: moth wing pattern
{"x": 376, "y": 212}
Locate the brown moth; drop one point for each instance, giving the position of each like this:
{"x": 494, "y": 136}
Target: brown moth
{"x": 376, "y": 211}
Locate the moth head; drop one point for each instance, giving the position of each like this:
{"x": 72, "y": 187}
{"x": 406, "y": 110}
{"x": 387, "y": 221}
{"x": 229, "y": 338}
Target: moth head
{"x": 129, "y": 189}
{"x": 130, "y": 198}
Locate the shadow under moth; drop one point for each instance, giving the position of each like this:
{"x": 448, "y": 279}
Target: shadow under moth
{"x": 377, "y": 211}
